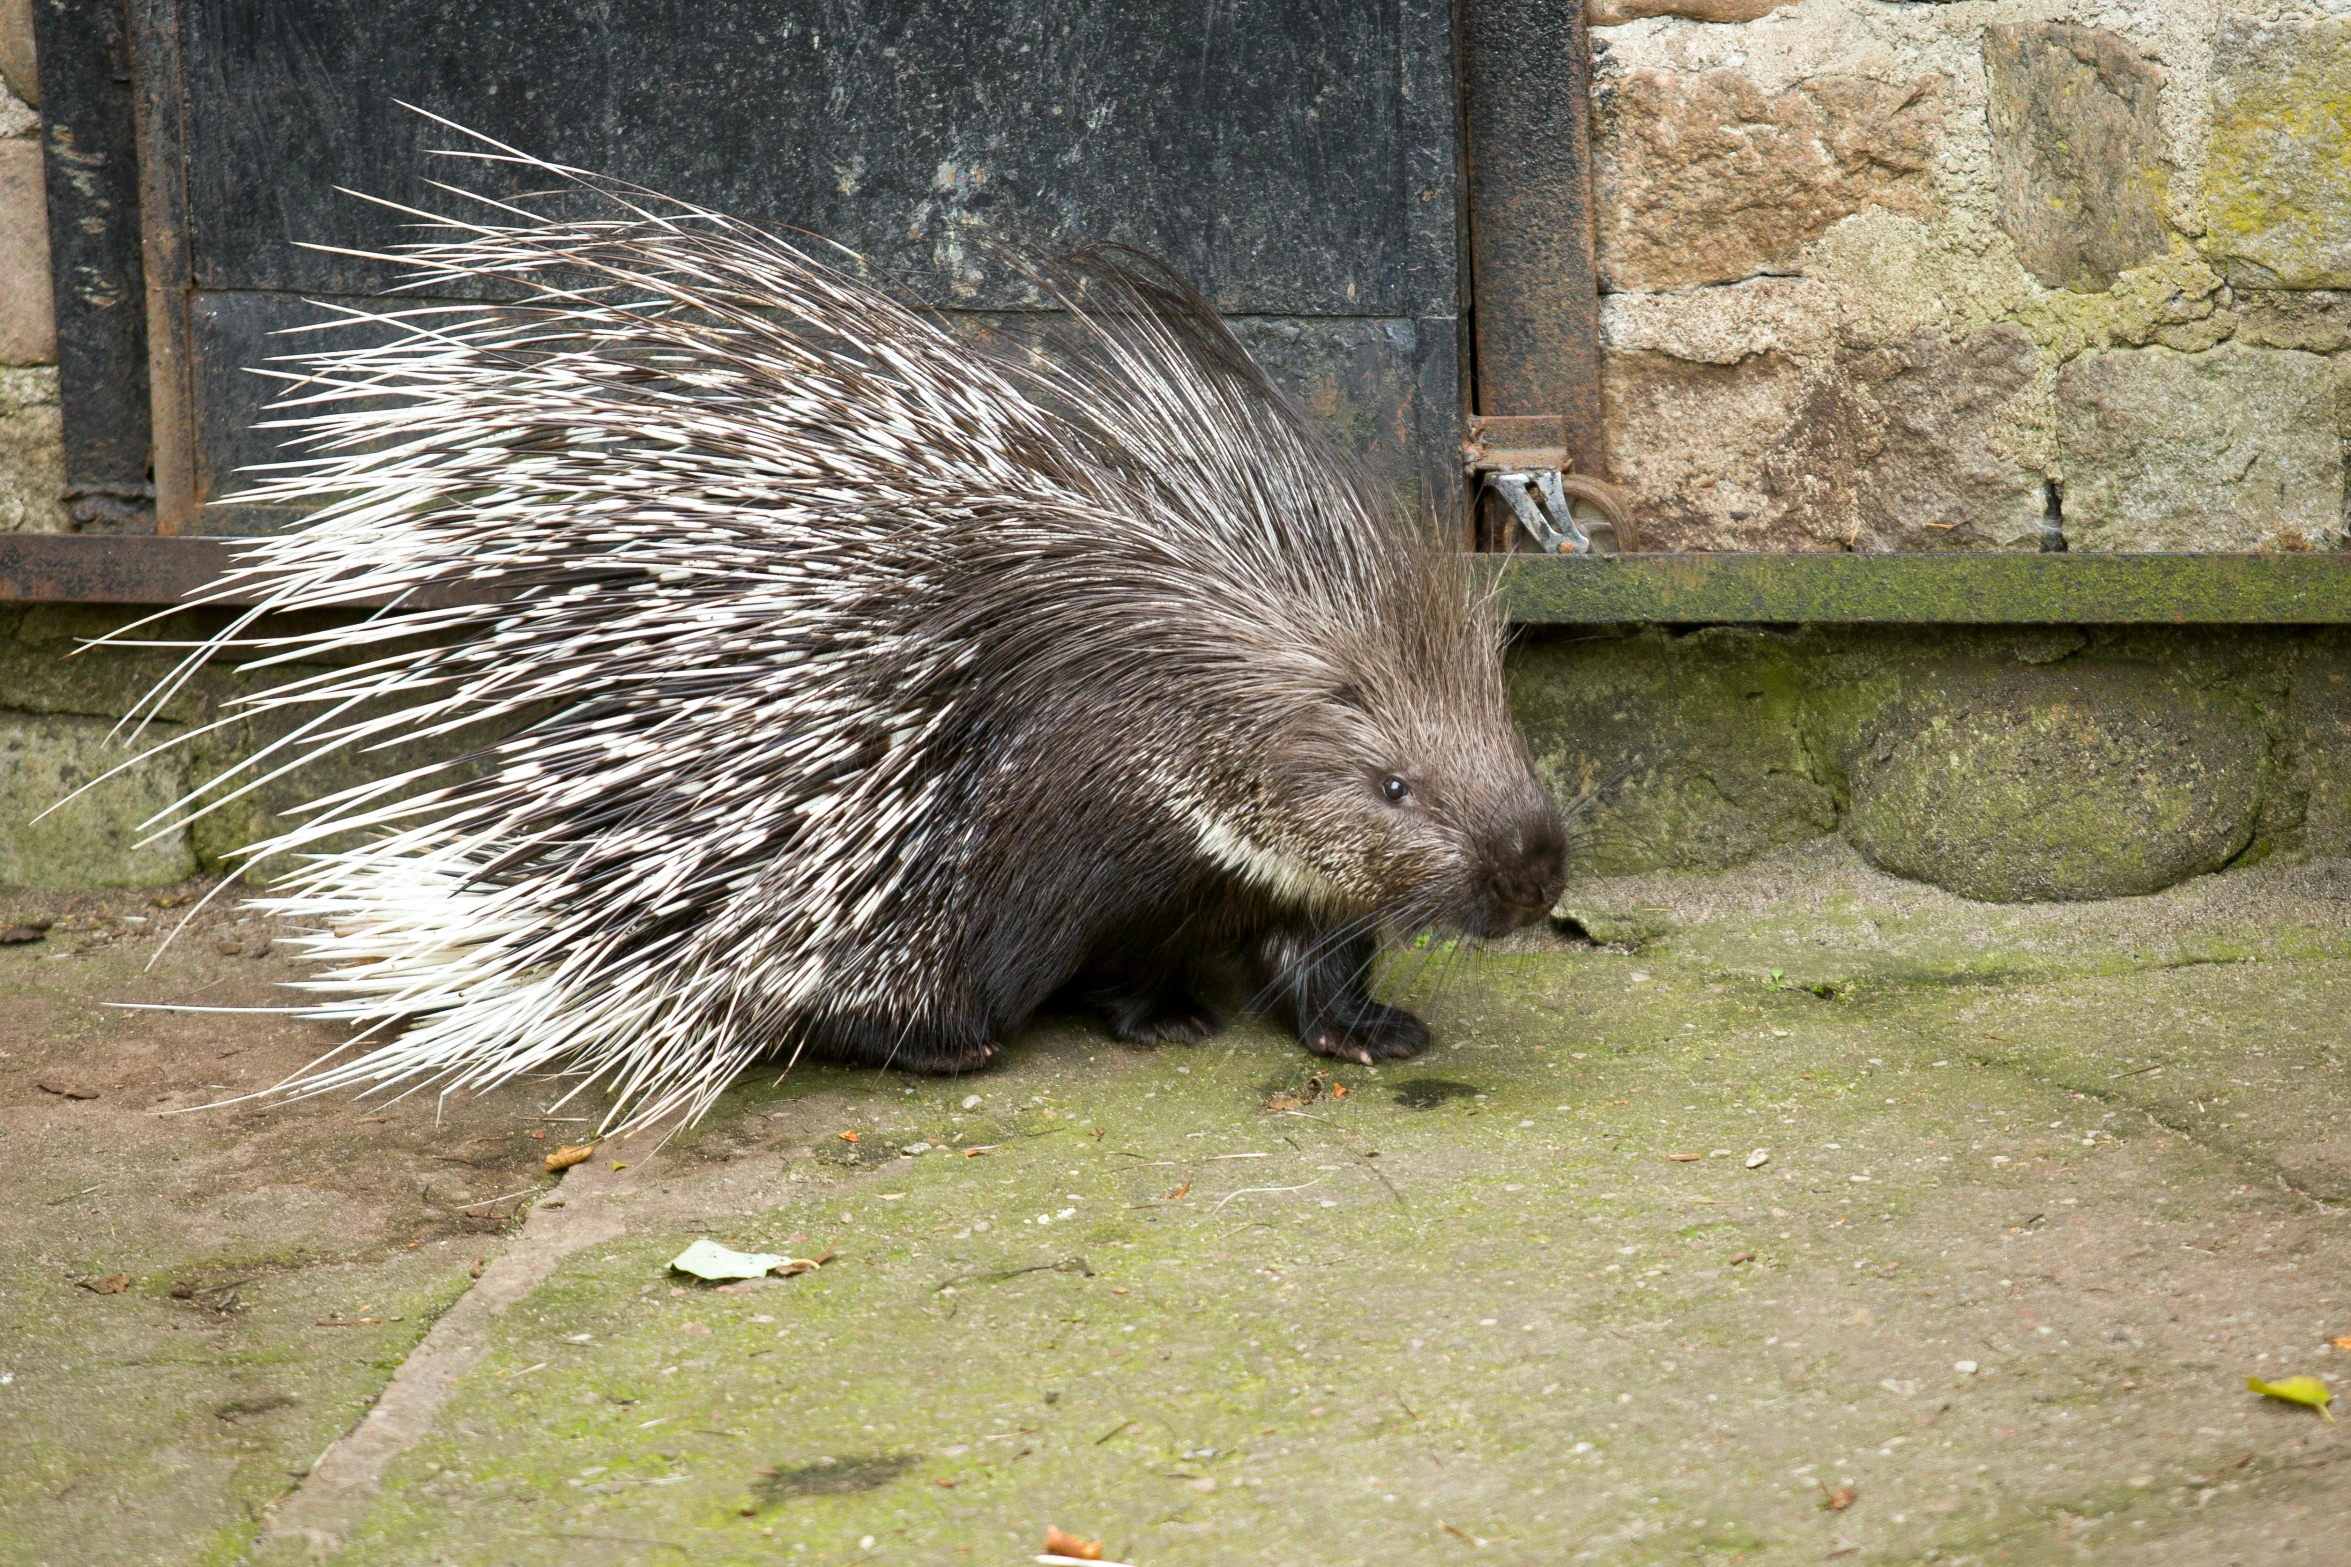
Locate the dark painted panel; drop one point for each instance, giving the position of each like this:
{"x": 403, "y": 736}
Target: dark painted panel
{"x": 90, "y": 145}
{"x": 1257, "y": 147}
{"x": 1355, "y": 377}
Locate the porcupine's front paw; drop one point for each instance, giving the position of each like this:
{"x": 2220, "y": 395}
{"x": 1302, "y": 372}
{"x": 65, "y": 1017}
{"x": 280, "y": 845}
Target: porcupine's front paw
{"x": 1365, "y": 1034}
{"x": 1165, "y": 1017}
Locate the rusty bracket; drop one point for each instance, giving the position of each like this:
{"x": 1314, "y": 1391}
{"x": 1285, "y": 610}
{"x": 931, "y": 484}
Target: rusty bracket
{"x": 1524, "y": 458}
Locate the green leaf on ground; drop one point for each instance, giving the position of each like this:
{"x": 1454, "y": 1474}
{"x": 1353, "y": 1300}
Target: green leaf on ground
{"x": 2297, "y": 1390}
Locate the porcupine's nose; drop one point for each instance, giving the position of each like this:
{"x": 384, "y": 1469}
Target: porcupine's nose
{"x": 1528, "y": 872}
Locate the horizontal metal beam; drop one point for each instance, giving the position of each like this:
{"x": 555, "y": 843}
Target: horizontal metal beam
{"x": 1975, "y": 588}
{"x": 1956, "y": 589}
{"x": 107, "y": 568}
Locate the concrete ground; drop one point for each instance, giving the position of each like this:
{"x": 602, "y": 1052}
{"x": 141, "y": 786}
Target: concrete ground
{"x": 2039, "y": 1189}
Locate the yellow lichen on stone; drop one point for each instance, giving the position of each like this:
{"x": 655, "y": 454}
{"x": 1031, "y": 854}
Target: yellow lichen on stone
{"x": 2142, "y": 306}
{"x": 2278, "y": 169}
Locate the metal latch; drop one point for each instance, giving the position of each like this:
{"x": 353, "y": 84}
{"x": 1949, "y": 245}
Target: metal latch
{"x": 1523, "y": 458}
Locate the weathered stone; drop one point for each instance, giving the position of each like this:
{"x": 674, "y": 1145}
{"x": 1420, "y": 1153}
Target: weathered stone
{"x": 1880, "y": 448}
{"x": 2058, "y": 784}
{"x": 28, "y": 324}
{"x": 2077, "y": 154}
{"x": 2277, "y": 171}
{"x": 95, "y": 841}
{"x": 2318, "y": 719}
{"x": 2317, "y": 321}
{"x": 2231, "y": 450}
{"x": 1723, "y": 326}
{"x": 1688, "y": 441}
{"x": 32, "y": 452}
{"x": 1615, "y": 13}
{"x": 1694, "y": 742}
{"x": 16, "y": 51}
{"x": 1929, "y": 476}
{"x": 1707, "y": 179}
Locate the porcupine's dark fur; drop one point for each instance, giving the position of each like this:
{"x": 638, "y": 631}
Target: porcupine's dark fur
{"x": 897, "y": 685}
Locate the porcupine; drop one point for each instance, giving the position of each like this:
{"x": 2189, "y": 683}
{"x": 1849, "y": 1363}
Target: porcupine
{"x": 852, "y": 689}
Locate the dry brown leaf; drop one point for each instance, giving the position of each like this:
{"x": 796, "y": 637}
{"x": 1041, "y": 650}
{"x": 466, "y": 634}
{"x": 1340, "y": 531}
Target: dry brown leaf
{"x": 1060, "y": 1544}
{"x": 112, "y": 1284}
{"x": 18, "y": 935}
{"x": 1685, "y": 1158}
{"x": 67, "y": 1090}
{"x": 850, "y": 1137}
{"x": 1838, "y": 1500}
{"x": 2343, "y": 1342}
{"x": 564, "y": 1158}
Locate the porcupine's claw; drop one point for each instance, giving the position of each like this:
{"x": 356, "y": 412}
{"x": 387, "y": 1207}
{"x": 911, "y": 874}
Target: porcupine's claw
{"x": 1368, "y": 1035}
{"x": 1317, "y": 987}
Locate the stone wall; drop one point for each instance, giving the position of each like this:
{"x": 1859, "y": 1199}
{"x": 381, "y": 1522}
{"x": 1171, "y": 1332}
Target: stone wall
{"x": 1953, "y": 276}
{"x": 32, "y": 462}
{"x": 2010, "y": 765}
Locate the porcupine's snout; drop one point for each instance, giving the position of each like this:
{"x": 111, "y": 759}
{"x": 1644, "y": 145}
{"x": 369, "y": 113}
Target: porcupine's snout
{"x": 1524, "y": 865}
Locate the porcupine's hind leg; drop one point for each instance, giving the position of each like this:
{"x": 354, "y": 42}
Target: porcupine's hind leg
{"x": 1320, "y": 988}
{"x": 1164, "y": 1012}
{"x": 943, "y": 1050}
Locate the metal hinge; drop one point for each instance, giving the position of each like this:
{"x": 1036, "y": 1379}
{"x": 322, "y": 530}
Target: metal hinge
{"x": 1523, "y": 458}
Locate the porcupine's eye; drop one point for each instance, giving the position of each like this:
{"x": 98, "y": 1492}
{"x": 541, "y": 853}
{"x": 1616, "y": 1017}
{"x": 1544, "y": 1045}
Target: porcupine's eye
{"x": 1395, "y": 790}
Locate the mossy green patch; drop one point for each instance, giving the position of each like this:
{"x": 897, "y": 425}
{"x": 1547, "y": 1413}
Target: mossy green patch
{"x": 2278, "y": 165}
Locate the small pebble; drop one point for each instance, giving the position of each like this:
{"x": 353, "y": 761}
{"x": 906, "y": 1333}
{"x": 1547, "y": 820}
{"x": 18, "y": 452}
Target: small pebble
{"x": 229, "y": 949}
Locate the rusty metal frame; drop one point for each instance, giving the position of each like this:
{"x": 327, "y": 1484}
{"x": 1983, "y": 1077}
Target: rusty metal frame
{"x": 160, "y": 84}
{"x": 1533, "y": 282}
{"x": 107, "y": 568}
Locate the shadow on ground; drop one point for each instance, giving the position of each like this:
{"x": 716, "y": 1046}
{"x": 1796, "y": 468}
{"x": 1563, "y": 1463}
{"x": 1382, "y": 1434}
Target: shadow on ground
{"x": 1809, "y": 1217}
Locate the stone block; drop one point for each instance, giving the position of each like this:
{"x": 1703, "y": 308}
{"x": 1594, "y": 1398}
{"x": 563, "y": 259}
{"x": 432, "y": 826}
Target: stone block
{"x": 2077, "y": 153}
{"x": 1706, "y": 178}
{"x": 2277, "y": 169}
{"x": 1615, "y": 13}
{"x": 2058, "y": 785}
{"x": 1688, "y": 439}
{"x": 1881, "y": 448}
{"x": 1694, "y": 745}
{"x": 94, "y": 842}
{"x": 2317, "y": 321}
{"x": 2235, "y": 449}
{"x": 28, "y": 321}
{"x": 16, "y": 51}
{"x": 32, "y": 452}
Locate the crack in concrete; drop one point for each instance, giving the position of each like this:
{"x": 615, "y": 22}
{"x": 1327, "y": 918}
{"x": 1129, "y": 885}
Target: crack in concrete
{"x": 334, "y": 1497}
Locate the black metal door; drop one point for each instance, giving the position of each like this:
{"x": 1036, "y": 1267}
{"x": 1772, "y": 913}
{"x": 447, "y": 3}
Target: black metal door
{"x": 1295, "y": 158}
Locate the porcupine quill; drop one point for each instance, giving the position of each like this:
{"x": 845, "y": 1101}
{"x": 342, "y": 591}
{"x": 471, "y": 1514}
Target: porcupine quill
{"x": 839, "y": 687}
